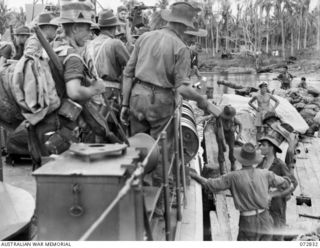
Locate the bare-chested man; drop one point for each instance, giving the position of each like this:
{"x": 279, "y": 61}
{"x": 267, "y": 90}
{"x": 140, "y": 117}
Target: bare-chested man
{"x": 264, "y": 105}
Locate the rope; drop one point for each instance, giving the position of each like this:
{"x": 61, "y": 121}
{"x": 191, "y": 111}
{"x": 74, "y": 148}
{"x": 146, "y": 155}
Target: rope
{"x": 124, "y": 190}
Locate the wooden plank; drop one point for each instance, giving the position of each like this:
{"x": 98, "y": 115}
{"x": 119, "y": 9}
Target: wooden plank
{"x": 233, "y": 217}
{"x": 211, "y": 149}
{"x": 222, "y": 211}
{"x": 191, "y": 226}
{"x": 223, "y": 216}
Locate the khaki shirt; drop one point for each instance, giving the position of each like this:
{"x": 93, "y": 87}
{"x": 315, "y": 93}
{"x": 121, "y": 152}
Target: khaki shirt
{"x": 160, "y": 58}
{"x": 110, "y": 56}
{"x": 249, "y": 187}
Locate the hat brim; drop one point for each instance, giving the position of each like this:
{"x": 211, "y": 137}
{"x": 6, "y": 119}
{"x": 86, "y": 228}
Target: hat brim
{"x": 167, "y": 16}
{"x": 22, "y": 33}
{"x": 63, "y": 20}
{"x": 199, "y": 33}
{"x": 273, "y": 142}
{"x": 247, "y": 162}
{"x": 112, "y": 25}
{"x": 264, "y": 121}
{"x": 47, "y": 24}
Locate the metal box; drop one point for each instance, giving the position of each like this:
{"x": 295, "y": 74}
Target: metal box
{"x": 72, "y": 192}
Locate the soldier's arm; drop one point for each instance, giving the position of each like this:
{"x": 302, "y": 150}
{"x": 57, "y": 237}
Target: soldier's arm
{"x": 122, "y": 54}
{"x": 214, "y": 185}
{"x": 183, "y": 83}
{"x": 283, "y": 184}
{"x": 251, "y": 103}
{"x": 238, "y": 123}
{"x": 74, "y": 76}
{"x": 275, "y": 100}
{"x": 127, "y": 85}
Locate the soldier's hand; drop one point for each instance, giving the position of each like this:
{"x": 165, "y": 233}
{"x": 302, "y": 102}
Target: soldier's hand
{"x": 124, "y": 115}
{"x": 98, "y": 87}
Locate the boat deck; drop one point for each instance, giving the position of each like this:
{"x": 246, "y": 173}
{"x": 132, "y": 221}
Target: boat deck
{"x": 307, "y": 172}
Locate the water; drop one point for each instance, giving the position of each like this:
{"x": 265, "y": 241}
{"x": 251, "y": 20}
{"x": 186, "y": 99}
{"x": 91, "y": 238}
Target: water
{"x": 252, "y": 80}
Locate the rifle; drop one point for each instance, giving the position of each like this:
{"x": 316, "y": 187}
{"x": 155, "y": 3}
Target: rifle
{"x": 12, "y": 36}
{"x": 57, "y": 64}
{"x": 93, "y": 118}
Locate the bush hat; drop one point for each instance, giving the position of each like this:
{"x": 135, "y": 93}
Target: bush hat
{"x": 228, "y": 112}
{"x": 180, "y": 12}
{"x": 76, "y": 12}
{"x": 46, "y": 19}
{"x": 275, "y": 138}
{"x": 108, "y": 19}
{"x": 23, "y": 30}
{"x": 269, "y": 115}
{"x": 247, "y": 155}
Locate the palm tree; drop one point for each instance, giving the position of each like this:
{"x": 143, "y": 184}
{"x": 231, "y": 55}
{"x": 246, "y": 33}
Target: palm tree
{"x": 318, "y": 27}
{"x": 306, "y": 5}
{"x": 267, "y": 5}
{"x": 3, "y": 19}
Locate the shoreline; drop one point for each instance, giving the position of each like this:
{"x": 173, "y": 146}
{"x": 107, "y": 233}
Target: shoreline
{"x": 306, "y": 64}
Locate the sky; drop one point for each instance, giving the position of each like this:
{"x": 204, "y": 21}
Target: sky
{"x": 113, "y": 4}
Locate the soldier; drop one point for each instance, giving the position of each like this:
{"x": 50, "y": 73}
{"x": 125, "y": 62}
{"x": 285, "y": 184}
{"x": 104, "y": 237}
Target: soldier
{"x": 264, "y": 105}
{"x": 285, "y": 78}
{"x": 270, "y": 146}
{"x": 109, "y": 55}
{"x": 250, "y": 188}
{"x": 158, "y": 69}
{"x": 75, "y": 87}
{"x": 229, "y": 124}
{"x": 160, "y": 64}
{"x": 48, "y": 28}
{"x": 190, "y": 37}
{"x": 15, "y": 49}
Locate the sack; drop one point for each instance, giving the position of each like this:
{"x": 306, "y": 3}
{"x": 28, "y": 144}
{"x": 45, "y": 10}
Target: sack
{"x": 34, "y": 89}
{"x": 10, "y": 114}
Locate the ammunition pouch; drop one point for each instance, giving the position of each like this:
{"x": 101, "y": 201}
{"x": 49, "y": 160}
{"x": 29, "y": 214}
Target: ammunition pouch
{"x": 70, "y": 109}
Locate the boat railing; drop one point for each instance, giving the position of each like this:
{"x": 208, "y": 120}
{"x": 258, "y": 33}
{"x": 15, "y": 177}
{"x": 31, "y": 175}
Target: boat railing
{"x": 168, "y": 163}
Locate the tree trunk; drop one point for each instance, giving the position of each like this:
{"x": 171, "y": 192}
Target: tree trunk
{"x": 318, "y": 28}
{"x": 299, "y": 30}
{"x": 217, "y": 38}
{"x": 305, "y": 34}
{"x": 283, "y": 39}
{"x": 268, "y": 35}
{"x": 212, "y": 37}
{"x": 292, "y": 44}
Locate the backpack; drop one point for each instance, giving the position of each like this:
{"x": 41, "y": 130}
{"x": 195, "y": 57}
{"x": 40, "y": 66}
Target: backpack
{"x": 10, "y": 113}
{"x": 34, "y": 88}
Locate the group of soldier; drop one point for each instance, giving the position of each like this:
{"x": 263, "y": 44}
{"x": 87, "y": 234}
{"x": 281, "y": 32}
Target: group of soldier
{"x": 143, "y": 85}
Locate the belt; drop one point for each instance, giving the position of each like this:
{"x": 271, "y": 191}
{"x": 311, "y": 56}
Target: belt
{"x": 252, "y": 212}
{"x": 152, "y": 86}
